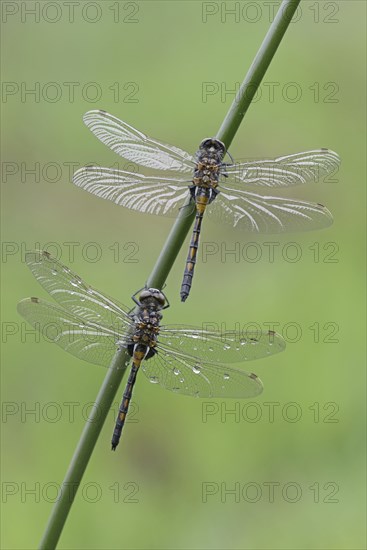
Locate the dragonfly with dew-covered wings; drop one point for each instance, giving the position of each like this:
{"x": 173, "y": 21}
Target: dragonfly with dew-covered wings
{"x": 218, "y": 188}
{"x": 183, "y": 359}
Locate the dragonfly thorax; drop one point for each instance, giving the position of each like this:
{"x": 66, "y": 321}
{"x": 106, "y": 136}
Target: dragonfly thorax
{"x": 147, "y": 328}
{"x": 208, "y": 163}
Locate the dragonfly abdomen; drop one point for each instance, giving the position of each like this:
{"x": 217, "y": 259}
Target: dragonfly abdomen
{"x": 141, "y": 347}
{"x": 202, "y": 200}
{"x": 139, "y": 354}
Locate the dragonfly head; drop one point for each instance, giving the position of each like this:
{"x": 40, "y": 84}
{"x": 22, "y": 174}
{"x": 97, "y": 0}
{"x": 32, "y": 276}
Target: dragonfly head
{"x": 149, "y": 295}
{"x": 213, "y": 146}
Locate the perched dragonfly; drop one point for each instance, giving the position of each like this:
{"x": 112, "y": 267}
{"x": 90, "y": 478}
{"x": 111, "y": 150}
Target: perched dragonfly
{"x": 218, "y": 187}
{"x": 182, "y": 359}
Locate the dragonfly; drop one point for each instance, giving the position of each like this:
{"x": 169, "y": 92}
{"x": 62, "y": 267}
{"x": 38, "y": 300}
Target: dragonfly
{"x": 183, "y": 359}
{"x": 218, "y": 188}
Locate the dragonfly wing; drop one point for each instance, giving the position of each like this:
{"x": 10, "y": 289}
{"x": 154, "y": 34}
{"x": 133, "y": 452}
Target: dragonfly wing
{"x": 136, "y": 146}
{"x": 153, "y": 195}
{"x": 220, "y": 346}
{"x": 72, "y": 293}
{"x": 189, "y": 376}
{"x": 296, "y": 169}
{"x": 85, "y": 340}
{"x": 265, "y": 214}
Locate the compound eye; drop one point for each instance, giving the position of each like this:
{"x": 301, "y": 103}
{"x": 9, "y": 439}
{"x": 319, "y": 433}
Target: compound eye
{"x": 206, "y": 143}
{"x": 158, "y": 295}
{"x": 213, "y": 143}
{"x": 145, "y": 294}
{"x": 161, "y": 299}
{"x": 219, "y": 145}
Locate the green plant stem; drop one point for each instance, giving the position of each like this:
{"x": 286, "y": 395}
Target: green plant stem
{"x": 256, "y": 72}
{"x": 84, "y": 450}
{"x": 157, "y": 279}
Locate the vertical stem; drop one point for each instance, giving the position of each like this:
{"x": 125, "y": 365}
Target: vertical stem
{"x": 84, "y": 450}
{"x": 256, "y": 72}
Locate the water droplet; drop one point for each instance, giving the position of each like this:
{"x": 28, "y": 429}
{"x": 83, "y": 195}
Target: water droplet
{"x": 74, "y": 283}
{"x": 196, "y": 369}
{"x": 54, "y": 271}
{"x": 226, "y": 376}
{"x": 176, "y": 371}
{"x": 226, "y": 346}
{"x": 154, "y": 379}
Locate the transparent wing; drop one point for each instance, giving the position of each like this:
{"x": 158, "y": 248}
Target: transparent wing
{"x": 296, "y": 169}
{"x": 220, "y": 347}
{"x": 72, "y": 293}
{"x": 189, "y": 376}
{"x": 97, "y": 344}
{"x": 263, "y": 214}
{"x": 153, "y": 195}
{"x": 86, "y": 340}
{"x": 188, "y": 361}
{"x": 136, "y": 146}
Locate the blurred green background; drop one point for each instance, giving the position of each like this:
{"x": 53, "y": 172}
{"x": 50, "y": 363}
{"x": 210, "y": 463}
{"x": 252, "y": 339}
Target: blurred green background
{"x": 169, "y": 483}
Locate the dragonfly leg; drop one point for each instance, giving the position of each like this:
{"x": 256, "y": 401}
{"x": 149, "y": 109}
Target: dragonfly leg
{"x": 134, "y": 296}
{"x": 192, "y": 189}
{"x": 213, "y": 194}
